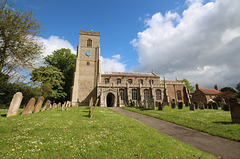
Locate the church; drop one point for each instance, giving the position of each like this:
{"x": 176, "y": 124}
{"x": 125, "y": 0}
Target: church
{"x": 116, "y": 89}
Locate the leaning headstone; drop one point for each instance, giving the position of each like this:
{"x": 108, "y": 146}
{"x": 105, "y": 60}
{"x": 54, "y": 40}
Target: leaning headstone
{"x": 173, "y": 105}
{"x": 205, "y": 105}
{"x": 201, "y": 105}
{"x": 215, "y": 106}
{"x": 192, "y": 106}
{"x": 15, "y": 103}
{"x": 30, "y": 106}
{"x": 46, "y": 105}
{"x": 38, "y": 104}
{"x": 180, "y": 105}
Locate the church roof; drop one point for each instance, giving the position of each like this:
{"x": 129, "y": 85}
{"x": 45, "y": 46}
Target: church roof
{"x": 210, "y": 91}
{"x": 129, "y": 74}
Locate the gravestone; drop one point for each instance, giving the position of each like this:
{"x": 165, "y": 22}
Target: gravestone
{"x": 15, "y": 104}
{"x": 51, "y": 106}
{"x": 192, "y": 106}
{"x": 173, "y": 104}
{"x": 151, "y": 104}
{"x": 90, "y": 101}
{"x": 145, "y": 104}
{"x": 140, "y": 104}
{"x": 59, "y": 105}
{"x": 46, "y": 105}
{"x": 160, "y": 106}
{"x": 209, "y": 105}
{"x": 201, "y": 105}
{"x": 225, "y": 107}
{"x": 54, "y": 105}
{"x": 205, "y": 105}
{"x": 215, "y": 105}
{"x": 235, "y": 112}
{"x": 196, "y": 105}
{"x": 30, "y": 106}
{"x": 38, "y": 104}
{"x": 180, "y": 105}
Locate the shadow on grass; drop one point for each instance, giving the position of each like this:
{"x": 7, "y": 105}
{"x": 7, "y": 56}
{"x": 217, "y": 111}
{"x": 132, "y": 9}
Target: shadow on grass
{"x": 225, "y": 122}
{"x": 3, "y": 115}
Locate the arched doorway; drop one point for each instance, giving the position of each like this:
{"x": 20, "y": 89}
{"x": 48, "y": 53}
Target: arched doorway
{"x": 110, "y": 100}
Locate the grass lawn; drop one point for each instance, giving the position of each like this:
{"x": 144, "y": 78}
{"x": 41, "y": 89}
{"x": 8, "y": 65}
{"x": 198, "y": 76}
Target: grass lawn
{"x": 71, "y": 134}
{"x": 214, "y": 122}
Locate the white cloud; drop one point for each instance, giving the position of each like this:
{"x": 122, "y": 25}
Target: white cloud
{"x": 55, "y": 43}
{"x": 112, "y": 64}
{"x": 205, "y": 36}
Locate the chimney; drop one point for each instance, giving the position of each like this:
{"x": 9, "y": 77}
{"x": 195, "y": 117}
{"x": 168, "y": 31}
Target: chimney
{"x": 197, "y": 86}
{"x": 216, "y": 87}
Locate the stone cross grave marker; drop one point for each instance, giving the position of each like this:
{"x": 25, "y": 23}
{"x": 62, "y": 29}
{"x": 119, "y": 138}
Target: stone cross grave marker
{"x": 15, "y": 104}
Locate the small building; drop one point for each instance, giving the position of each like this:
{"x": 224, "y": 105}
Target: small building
{"x": 205, "y": 95}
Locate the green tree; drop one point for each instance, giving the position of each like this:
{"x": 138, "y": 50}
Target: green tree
{"x": 64, "y": 60}
{"x": 238, "y": 89}
{"x": 18, "y": 32}
{"x": 230, "y": 89}
{"x": 188, "y": 85}
{"x": 50, "y": 80}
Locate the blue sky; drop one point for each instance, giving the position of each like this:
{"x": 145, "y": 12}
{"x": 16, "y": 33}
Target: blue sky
{"x": 192, "y": 39}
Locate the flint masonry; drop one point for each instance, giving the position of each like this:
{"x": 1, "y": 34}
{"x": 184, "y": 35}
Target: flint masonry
{"x": 115, "y": 89}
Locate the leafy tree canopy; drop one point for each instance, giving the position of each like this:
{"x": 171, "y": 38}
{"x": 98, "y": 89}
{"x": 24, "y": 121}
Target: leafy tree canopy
{"x": 188, "y": 85}
{"x": 50, "y": 80}
{"x": 238, "y": 87}
{"x": 18, "y": 32}
{"x": 228, "y": 89}
{"x": 64, "y": 60}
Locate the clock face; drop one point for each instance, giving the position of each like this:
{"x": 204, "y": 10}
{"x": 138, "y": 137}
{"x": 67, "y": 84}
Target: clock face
{"x": 88, "y": 53}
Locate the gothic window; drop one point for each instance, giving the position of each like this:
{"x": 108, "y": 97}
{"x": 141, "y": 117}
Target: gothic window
{"x": 141, "y": 81}
{"x": 122, "y": 95}
{"x": 130, "y": 81}
{"x": 89, "y": 43}
{"x": 118, "y": 81}
{"x": 134, "y": 94}
{"x": 146, "y": 94}
{"x": 158, "y": 95}
{"x": 106, "y": 80}
{"x": 179, "y": 95}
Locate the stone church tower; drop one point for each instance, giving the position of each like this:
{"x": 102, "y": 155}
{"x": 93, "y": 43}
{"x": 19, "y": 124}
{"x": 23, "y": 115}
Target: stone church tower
{"x": 87, "y": 70}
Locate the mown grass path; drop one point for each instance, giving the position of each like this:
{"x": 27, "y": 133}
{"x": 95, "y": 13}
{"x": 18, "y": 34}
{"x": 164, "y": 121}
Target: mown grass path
{"x": 214, "y": 122}
{"x": 71, "y": 134}
{"x": 208, "y": 143}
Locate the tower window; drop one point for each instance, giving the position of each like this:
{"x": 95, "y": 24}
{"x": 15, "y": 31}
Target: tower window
{"x": 88, "y": 63}
{"x": 130, "y": 81}
{"x": 179, "y": 95}
{"x": 122, "y": 94}
{"x": 106, "y": 80}
{"x": 146, "y": 94}
{"x": 118, "y": 81}
{"x": 134, "y": 94}
{"x": 89, "y": 43}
